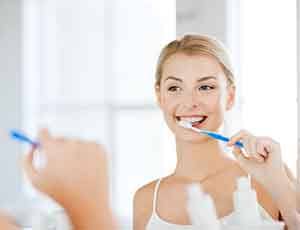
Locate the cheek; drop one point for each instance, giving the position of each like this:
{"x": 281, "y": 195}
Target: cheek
{"x": 169, "y": 109}
{"x": 216, "y": 112}
{"x": 168, "y": 104}
{"x": 215, "y": 103}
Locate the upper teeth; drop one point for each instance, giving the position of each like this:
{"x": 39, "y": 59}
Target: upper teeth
{"x": 192, "y": 119}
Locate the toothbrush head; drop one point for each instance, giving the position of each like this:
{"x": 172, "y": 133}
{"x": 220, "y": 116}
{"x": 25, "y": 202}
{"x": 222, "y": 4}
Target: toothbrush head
{"x": 185, "y": 124}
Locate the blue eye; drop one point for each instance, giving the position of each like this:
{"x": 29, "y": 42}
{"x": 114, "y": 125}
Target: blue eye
{"x": 206, "y": 87}
{"x": 173, "y": 89}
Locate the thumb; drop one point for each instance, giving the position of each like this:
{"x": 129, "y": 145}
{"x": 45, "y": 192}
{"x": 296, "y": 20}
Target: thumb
{"x": 28, "y": 168}
{"x": 44, "y": 136}
{"x": 240, "y": 157}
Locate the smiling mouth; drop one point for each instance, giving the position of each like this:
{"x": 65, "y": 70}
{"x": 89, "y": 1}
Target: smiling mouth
{"x": 194, "y": 120}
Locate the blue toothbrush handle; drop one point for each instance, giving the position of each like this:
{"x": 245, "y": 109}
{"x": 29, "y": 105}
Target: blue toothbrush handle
{"x": 225, "y": 139}
{"x": 17, "y": 135}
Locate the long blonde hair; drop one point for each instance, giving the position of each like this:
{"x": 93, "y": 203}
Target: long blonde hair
{"x": 194, "y": 44}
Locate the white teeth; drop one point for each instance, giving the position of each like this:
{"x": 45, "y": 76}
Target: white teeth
{"x": 192, "y": 119}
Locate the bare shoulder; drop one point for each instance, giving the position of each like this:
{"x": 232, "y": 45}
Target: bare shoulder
{"x": 144, "y": 195}
{"x": 142, "y": 205}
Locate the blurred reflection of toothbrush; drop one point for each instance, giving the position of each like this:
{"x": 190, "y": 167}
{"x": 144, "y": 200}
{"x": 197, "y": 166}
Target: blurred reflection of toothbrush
{"x": 19, "y": 136}
{"x": 188, "y": 125}
{"x": 39, "y": 158}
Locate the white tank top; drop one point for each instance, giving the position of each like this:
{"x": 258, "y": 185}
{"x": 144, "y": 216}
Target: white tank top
{"x": 155, "y": 222}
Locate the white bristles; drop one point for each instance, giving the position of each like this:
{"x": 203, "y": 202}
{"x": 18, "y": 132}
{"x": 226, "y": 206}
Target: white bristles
{"x": 188, "y": 125}
{"x": 185, "y": 124}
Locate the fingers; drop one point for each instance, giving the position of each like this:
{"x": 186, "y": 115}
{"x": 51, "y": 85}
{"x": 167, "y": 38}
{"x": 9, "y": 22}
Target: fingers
{"x": 269, "y": 147}
{"x": 237, "y": 152}
{"x": 243, "y": 137}
{"x": 44, "y": 134}
{"x": 251, "y": 147}
{"x": 237, "y": 137}
{"x": 245, "y": 162}
{"x": 261, "y": 148}
{"x": 44, "y": 137}
{"x": 254, "y": 151}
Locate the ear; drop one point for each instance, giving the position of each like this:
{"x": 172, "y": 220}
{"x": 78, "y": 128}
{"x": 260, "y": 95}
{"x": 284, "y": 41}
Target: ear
{"x": 157, "y": 94}
{"x": 230, "y": 97}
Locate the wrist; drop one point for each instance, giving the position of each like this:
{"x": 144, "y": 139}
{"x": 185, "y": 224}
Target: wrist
{"x": 278, "y": 185}
{"x": 283, "y": 192}
{"x": 95, "y": 215}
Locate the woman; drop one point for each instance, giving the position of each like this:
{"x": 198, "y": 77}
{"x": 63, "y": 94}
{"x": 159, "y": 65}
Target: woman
{"x": 195, "y": 83}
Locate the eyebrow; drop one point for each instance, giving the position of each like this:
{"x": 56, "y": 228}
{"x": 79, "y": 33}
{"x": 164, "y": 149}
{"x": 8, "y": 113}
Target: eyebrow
{"x": 206, "y": 78}
{"x": 198, "y": 80}
{"x": 173, "y": 78}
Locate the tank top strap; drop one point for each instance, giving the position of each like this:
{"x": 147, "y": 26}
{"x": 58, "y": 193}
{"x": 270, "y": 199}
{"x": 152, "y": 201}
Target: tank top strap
{"x": 155, "y": 195}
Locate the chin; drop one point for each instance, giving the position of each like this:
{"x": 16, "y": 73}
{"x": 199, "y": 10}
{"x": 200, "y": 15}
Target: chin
{"x": 194, "y": 138}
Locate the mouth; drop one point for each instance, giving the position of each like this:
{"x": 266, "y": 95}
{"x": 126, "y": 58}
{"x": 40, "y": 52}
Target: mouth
{"x": 196, "y": 120}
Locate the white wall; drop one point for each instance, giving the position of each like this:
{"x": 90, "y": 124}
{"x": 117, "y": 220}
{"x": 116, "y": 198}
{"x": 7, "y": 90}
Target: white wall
{"x": 205, "y": 17}
{"x": 10, "y": 99}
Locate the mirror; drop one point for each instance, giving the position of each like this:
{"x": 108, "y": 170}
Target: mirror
{"x": 86, "y": 69}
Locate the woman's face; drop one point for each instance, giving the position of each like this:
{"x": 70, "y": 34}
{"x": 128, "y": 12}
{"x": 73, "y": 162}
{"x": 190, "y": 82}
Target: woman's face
{"x": 194, "y": 88}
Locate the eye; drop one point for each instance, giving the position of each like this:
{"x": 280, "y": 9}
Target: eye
{"x": 206, "y": 87}
{"x": 174, "y": 89}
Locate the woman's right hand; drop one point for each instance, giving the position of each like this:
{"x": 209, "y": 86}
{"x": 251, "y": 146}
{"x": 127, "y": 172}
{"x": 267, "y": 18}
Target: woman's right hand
{"x": 260, "y": 157}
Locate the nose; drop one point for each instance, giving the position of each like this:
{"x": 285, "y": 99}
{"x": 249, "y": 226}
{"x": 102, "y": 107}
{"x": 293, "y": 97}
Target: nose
{"x": 191, "y": 101}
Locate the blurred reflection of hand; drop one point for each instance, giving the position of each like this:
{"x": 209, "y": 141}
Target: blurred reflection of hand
{"x": 75, "y": 175}
{"x": 7, "y": 224}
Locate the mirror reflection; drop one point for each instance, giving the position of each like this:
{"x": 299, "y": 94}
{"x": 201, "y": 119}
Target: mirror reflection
{"x": 160, "y": 86}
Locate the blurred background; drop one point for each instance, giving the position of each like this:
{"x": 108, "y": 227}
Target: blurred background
{"x": 85, "y": 68}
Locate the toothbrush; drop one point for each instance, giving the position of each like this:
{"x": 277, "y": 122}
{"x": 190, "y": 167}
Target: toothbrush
{"x": 39, "y": 158}
{"x": 19, "y": 136}
{"x": 188, "y": 125}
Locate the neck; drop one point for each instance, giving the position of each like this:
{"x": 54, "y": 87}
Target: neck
{"x": 196, "y": 161}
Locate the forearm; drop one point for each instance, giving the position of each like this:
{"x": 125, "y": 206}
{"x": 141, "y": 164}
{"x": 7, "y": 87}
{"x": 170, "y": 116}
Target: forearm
{"x": 84, "y": 221}
{"x": 284, "y": 194}
{"x": 91, "y": 217}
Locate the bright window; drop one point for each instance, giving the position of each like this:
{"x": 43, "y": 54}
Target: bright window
{"x": 89, "y": 72}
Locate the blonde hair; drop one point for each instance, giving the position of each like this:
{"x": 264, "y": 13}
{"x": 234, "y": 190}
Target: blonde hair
{"x": 193, "y": 44}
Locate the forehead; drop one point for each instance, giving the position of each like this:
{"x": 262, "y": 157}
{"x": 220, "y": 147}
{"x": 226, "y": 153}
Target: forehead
{"x": 192, "y": 66}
